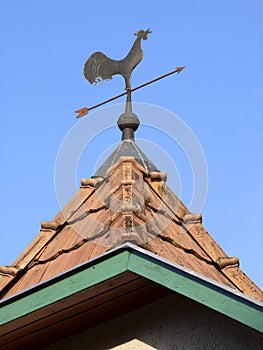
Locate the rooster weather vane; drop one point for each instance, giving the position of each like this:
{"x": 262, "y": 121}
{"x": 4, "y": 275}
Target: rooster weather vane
{"x": 99, "y": 67}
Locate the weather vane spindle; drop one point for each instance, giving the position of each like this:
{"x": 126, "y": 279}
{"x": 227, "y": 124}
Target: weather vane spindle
{"x": 99, "y": 67}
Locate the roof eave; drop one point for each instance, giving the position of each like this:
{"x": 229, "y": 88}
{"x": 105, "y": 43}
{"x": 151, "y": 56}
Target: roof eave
{"x": 129, "y": 257}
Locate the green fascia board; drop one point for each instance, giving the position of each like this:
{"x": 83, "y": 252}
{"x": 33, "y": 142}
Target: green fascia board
{"x": 216, "y": 296}
{"x": 55, "y": 290}
{"x": 128, "y": 257}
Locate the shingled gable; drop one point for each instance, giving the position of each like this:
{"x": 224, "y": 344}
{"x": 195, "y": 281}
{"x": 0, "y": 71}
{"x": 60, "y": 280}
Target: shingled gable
{"x": 82, "y": 264}
{"x": 127, "y": 205}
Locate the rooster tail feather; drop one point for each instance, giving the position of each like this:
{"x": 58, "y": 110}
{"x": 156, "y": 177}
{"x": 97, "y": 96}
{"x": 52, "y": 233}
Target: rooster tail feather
{"x": 95, "y": 69}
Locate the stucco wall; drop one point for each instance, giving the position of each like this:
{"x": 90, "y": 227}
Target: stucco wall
{"x": 171, "y": 323}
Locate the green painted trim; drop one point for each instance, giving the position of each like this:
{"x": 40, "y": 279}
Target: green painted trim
{"x": 204, "y": 293}
{"x": 75, "y": 283}
{"x": 145, "y": 265}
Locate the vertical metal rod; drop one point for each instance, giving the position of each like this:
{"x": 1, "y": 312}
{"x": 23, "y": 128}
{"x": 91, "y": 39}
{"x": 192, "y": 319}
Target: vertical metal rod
{"x": 128, "y": 107}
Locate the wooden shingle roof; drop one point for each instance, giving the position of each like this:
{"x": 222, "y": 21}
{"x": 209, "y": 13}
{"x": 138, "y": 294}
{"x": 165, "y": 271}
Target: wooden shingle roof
{"x": 128, "y": 204}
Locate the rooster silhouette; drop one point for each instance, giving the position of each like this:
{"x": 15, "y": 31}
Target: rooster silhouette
{"x": 99, "y": 67}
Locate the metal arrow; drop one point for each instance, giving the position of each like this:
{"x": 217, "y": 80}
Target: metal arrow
{"x": 84, "y": 111}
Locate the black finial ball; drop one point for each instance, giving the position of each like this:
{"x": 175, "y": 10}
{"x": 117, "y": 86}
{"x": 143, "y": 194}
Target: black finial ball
{"x": 128, "y": 120}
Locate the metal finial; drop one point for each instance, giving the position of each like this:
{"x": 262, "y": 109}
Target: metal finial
{"x": 128, "y": 122}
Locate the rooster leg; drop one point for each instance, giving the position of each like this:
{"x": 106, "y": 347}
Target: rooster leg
{"x": 127, "y": 82}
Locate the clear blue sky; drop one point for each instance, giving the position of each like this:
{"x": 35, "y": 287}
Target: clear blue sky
{"x": 44, "y": 45}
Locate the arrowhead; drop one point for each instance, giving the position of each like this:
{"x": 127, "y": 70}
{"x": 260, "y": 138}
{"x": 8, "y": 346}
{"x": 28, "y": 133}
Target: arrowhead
{"x": 81, "y": 112}
{"x": 179, "y": 69}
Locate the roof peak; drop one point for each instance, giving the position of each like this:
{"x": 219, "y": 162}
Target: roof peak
{"x": 126, "y": 148}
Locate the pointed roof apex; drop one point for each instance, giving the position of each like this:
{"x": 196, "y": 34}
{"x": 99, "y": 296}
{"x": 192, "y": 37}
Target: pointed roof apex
{"x": 128, "y": 123}
{"x": 126, "y": 148}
